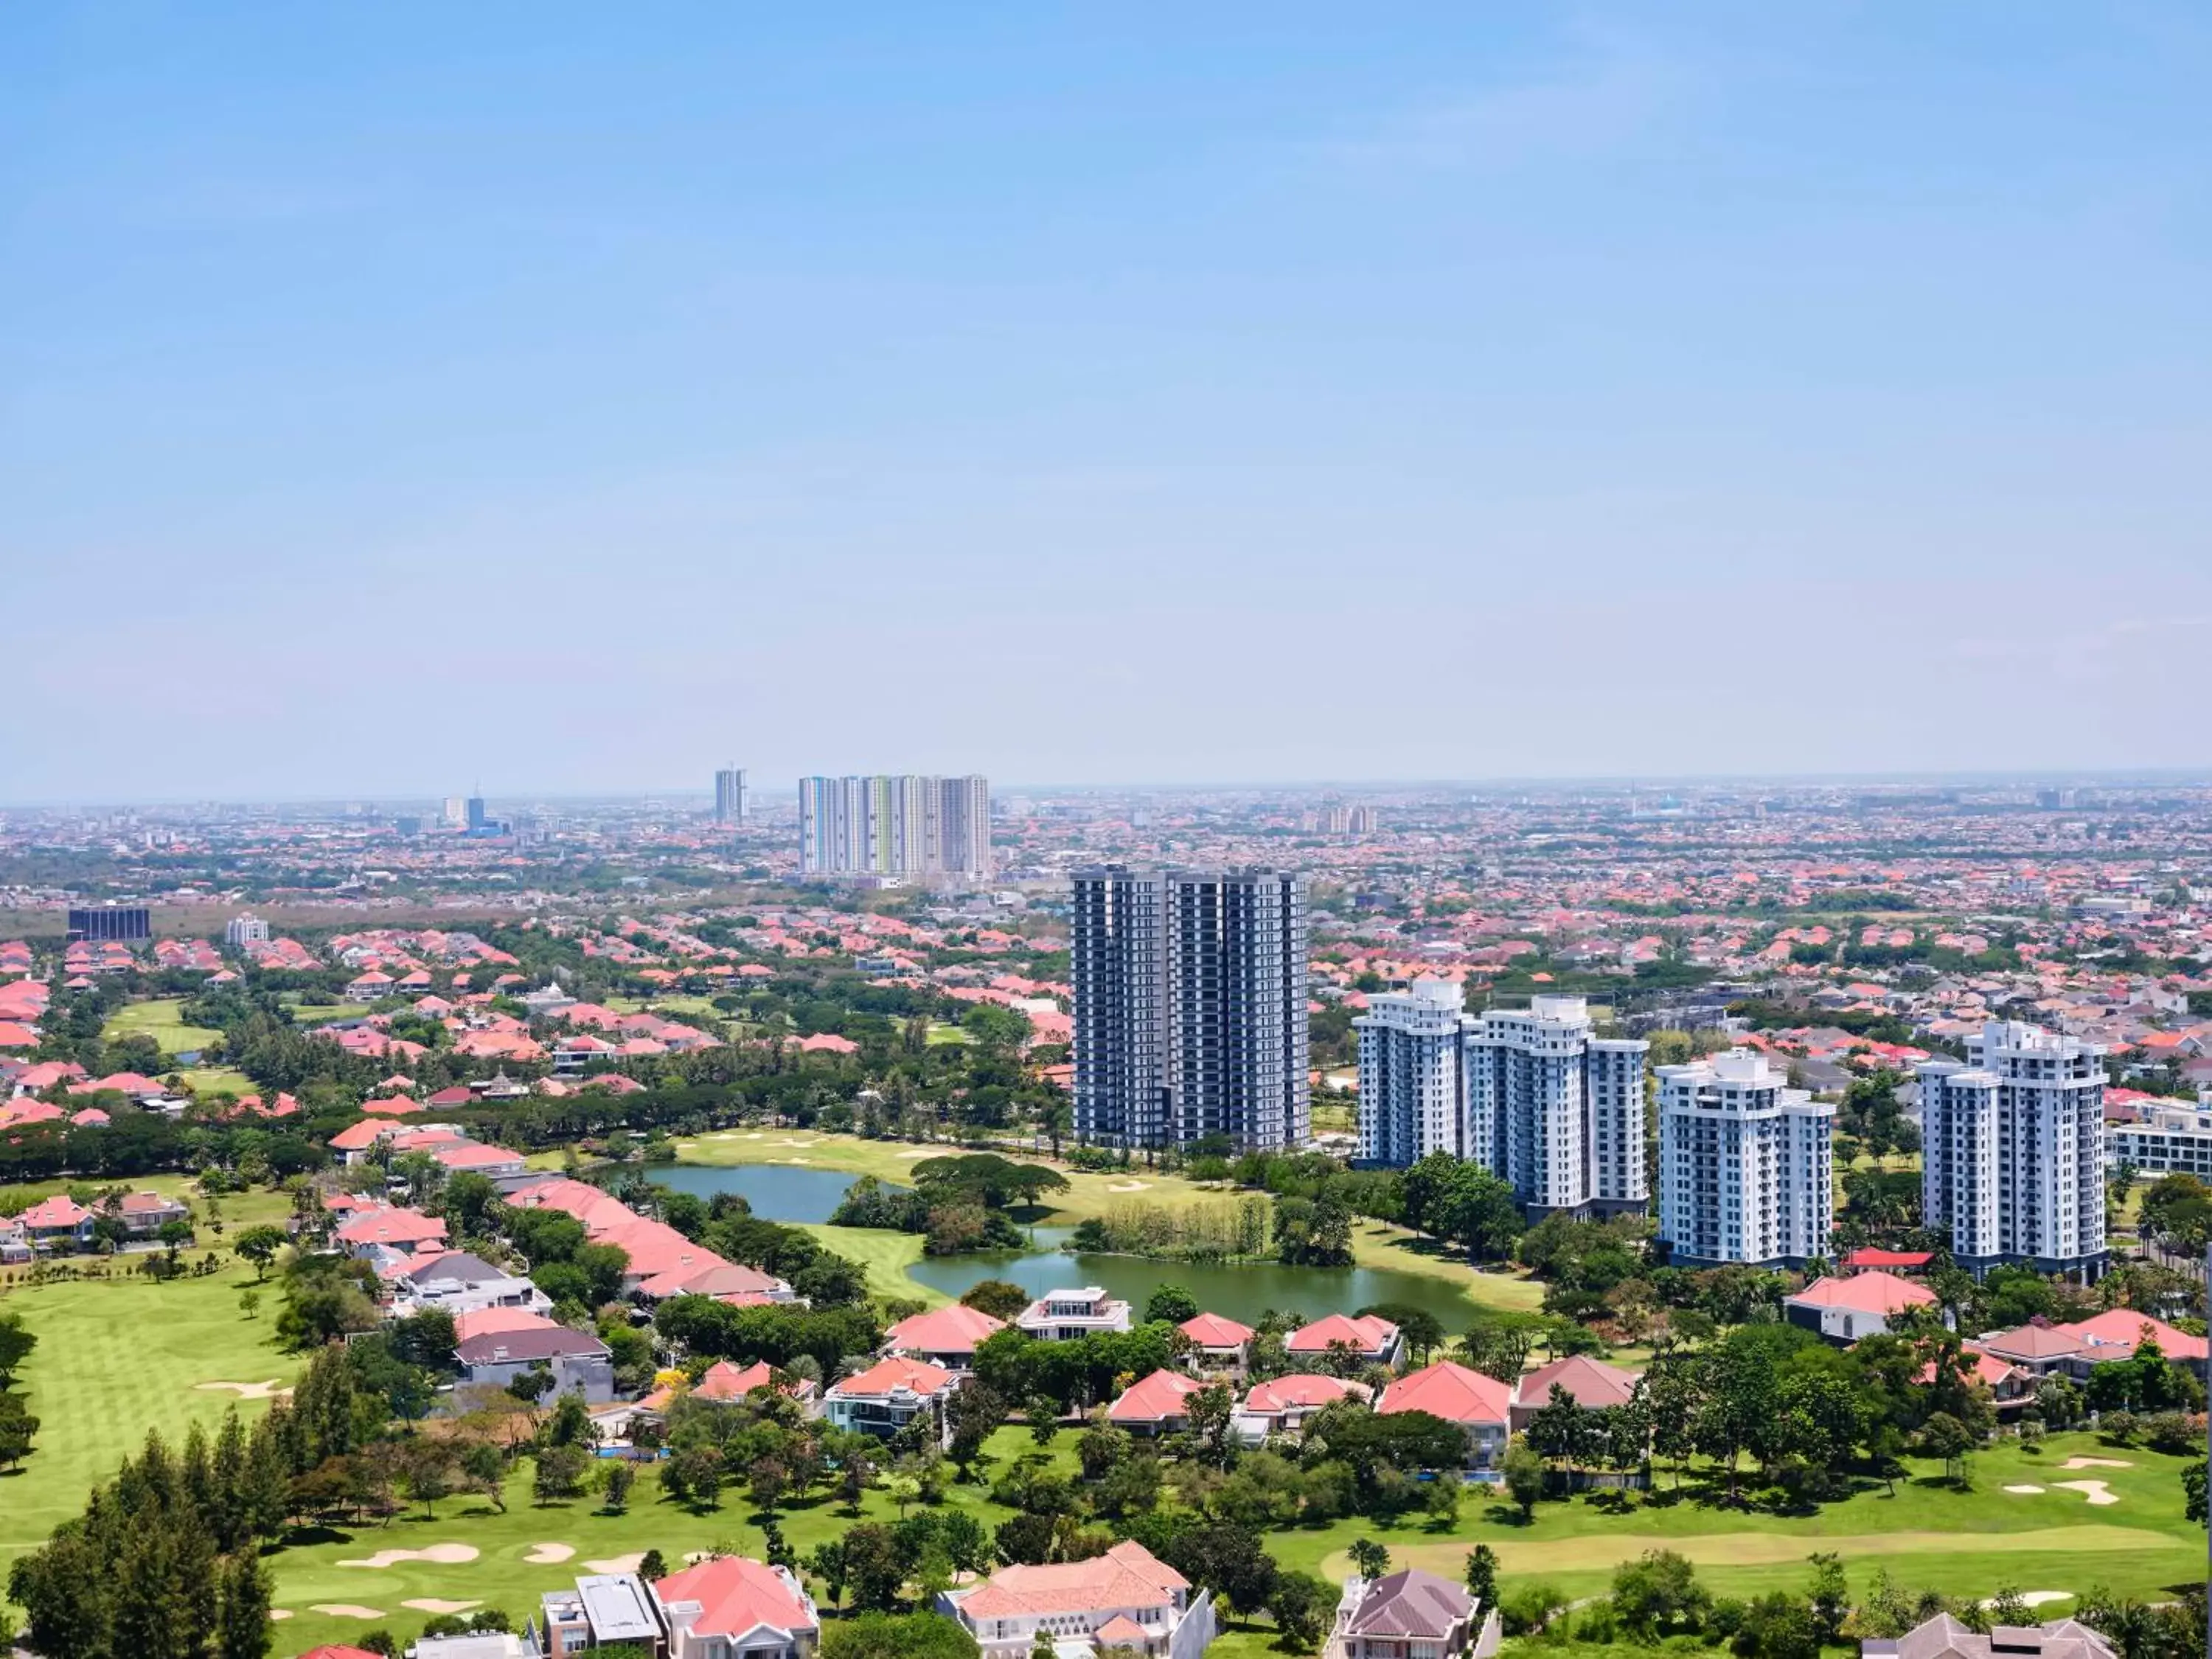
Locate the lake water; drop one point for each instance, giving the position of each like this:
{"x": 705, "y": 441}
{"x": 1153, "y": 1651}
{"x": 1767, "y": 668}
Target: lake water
{"x": 785, "y": 1192}
{"x": 777, "y": 1192}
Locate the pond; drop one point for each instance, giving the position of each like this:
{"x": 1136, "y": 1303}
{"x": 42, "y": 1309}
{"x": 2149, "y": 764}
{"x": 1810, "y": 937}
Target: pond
{"x": 779, "y": 1192}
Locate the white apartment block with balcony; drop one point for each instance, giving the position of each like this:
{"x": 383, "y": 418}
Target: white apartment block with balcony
{"x": 1556, "y": 1109}
{"x": 1746, "y": 1168}
{"x": 2013, "y": 1150}
{"x": 1063, "y": 1316}
{"x": 2170, "y": 1137}
{"x": 1412, "y": 1073}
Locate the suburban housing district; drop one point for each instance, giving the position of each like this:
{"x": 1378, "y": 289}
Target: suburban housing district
{"x": 1389, "y": 1225}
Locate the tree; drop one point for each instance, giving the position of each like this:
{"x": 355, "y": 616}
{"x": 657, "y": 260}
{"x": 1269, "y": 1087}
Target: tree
{"x": 897, "y": 1636}
{"x": 259, "y": 1246}
{"x": 249, "y": 1303}
{"x": 1524, "y": 1477}
{"x": 2193, "y": 1492}
{"x": 1299, "y": 1605}
{"x": 1482, "y": 1575}
{"x": 486, "y": 1470}
{"x": 17, "y": 1429}
{"x": 1423, "y": 1331}
{"x": 652, "y": 1568}
{"x": 429, "y": 1475}
{"x": 1227, "y": 1559}
{"x": 560, "y": 1473}
{"x": 1369, "y": 1559}
{"x": 1172, "y": 1304}
{"x": 1945, "y": 1437}
{"x": 996, "y": 1297}
{"x": 827, "y": 1562}
{"x": 622, "y": 1475}
{"x": 244, "y": 1632}
{"x": 15, "y": 1346}
{"x": 1658, "y": 1595}
{"x": 875, "y": 1565}
{"x": 1830, "y": 1597}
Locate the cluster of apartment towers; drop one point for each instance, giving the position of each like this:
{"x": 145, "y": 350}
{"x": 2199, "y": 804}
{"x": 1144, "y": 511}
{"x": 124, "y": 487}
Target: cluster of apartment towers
{"x": 1191, "y": 1022}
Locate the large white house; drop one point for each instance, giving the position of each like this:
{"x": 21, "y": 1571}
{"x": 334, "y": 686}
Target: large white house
{"x": 1126, "y": 1598}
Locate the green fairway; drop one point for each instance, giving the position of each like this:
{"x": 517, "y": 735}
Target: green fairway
{"x": 304, "y": 1014}
{"x": 886, "y": 1255}
{"x": 163, "y": 1021}
{"x": 116, "y": 1358}
{"x": 218, "y": 1080}
{"x": 940, "y": 1032}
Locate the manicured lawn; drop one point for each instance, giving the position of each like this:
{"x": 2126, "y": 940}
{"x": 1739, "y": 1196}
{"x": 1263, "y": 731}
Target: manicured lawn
{"x": 163, "y": 1021}
{"x": 1928, "y": 1533}
{"x": 886, "y": 1255}
{"x": 940, "y": 1032}
{"x": 218, "y": 1080}
{"x": 116, "y": 1358}
{"x": 304, "y": 1014}
{"x": 1373, "y": 1244}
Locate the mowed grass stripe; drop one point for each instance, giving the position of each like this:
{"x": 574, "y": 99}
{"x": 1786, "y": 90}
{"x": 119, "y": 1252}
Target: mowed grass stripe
{"x": 1535, "y": 1557}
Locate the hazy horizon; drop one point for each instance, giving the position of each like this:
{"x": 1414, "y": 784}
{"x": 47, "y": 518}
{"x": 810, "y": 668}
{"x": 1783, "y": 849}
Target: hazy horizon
{"x": 557, "y": 398}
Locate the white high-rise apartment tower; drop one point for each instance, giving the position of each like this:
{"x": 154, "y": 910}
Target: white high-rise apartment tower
{"x": 1412, "y": 1073}
{"x": 2013, "y": 1151}
{"x": 730, "y": 795}
{"x": 1745, "y": 1171}
{"x": 1190, "y": 1008}
{"x": 1557, "y": 1110}
{"x": 894, "y": 825}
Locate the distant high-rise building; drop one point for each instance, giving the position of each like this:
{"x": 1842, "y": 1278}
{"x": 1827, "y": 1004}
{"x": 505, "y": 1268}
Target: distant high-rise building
{"x": 894, "y": 825}
{"x": 1745, "y": 1169}
{"x": 2012, "y": 1149}
{"x": 1557, "y": 1110}
{"x": 1190, "y": 1008}
{"x": 456, "y": 814}
{"x": 407, "y": 824}
{"x": 478, "y": 818}
{"x": 1412, "y": 1073}
{"x": 730, "y": 795}
{"x": 100, "y": 923}
{"x": 246, "y": 929}
{"x": 1363, "y": 821}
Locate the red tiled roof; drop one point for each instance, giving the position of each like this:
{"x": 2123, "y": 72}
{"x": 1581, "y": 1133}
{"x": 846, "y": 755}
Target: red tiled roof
{"x": 1449, "y": 1391}
{"x": 956, "y": 1329}
{"x": 1366, "y": 1335}
{"x": 1873, "y": 1292}
{"x": 1127, "y": 1576}
{"x": 1299, "y": 1391}
{"x": 1874, "y": 1258}
{"x": 1158, "y": 1397}
{"x": 1592, "y": 1383}
{"x": 1211, "y": 1330}
{"x": 2123, "y": 1327}
{"x": 886, "y": 1375}
{"x": 736, "y": 1595}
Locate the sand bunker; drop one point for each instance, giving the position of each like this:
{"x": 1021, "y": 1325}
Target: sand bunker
{"x": 1127, "y": 1186}
{"x": 431, "y": 1604}
{"x": 347, "y": 1610}
{"x": 923, "y": 1152}
{"x": 2037, "y": 1598}
{"x": 618, "y": 1562}
{"x": 281, "y": 1613}
{"x": 269, "y": 1390}
{"x": 788, "y": 1141}
{"x": 546, "y": 1555}
{"x": 798, "y": 1160}
{"x": 2095, "y": 1490}
{"x": 2035, "y": 1490}
{"x": 2096, "y": 1464}
{"x": 445, "y": 1555}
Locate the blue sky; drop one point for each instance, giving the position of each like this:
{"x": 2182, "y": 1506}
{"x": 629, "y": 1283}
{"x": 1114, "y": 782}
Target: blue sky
{"x": 572, "y": 398}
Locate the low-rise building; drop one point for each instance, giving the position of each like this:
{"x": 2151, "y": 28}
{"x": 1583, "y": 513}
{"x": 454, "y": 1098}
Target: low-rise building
{"x": 1062, "y": 1316}
{"x": 602, "y": 1610}
{"x": 579, "y": 1363}
{"x": 1590, "y": 1384}
{"x": 1155, "y": 1404}
{"x": 1217, "y": 1343}
{"x": 1411, "y": 1613}
{"x": 1126, "y": 1598}
{"x": 945, "y": 1337}
{"x": 1478, "y": 1405}
{"x": 1945, "y": 1637}
{"x": 2169, "y": 1137}
{"x": 1847, "y": 1309}
{"x": 888, "y": 1395}
{"x": 1367, "y": 1338}
{"x": 730, "y": 1607}
{"x": 460, "y": 1283}
{"x": 1281, "y": 1405}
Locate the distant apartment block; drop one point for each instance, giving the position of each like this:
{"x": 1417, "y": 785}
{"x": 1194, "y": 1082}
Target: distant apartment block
{"x": 1190, "y": 1007}
{"x": 1746, "y": 1174}
{"x": 1556, "y": 1109}
{"x": 730, "y": 795}
{"x": 102, "y": 923}
{"x": 246, "y": 929}
{"x": 2172, "y": 1138}
{"x": 1412, "y": 1073}
{"x": 2013, "y": 1148}
{"x": 887, "y": 825}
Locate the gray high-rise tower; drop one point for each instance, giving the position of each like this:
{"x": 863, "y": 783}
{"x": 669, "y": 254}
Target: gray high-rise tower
{"x": 730, "y": 795}
{"x": 1190, "y": 1007}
